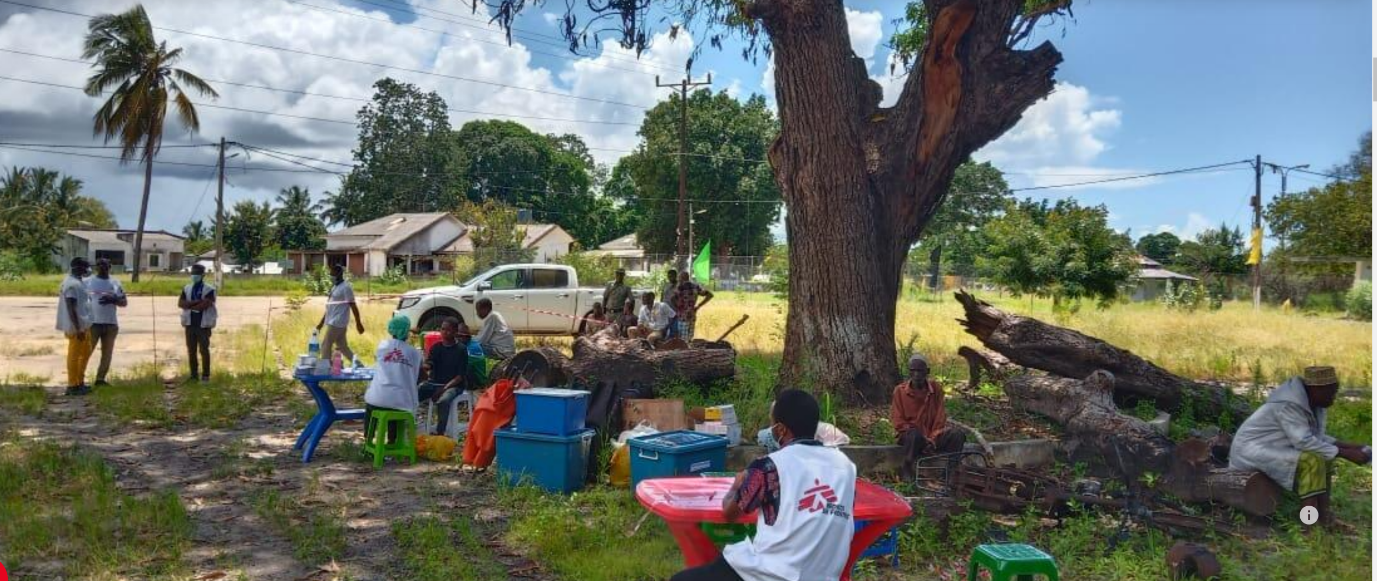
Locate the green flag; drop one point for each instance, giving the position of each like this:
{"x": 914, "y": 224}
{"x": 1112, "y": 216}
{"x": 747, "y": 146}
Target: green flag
{"x": 702, "y": 266}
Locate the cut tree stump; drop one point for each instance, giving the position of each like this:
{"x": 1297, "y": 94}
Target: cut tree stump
{"x": 625, "y": 362}
{"x": 1067, "y": 353}
{"x": 1195, "y": 477}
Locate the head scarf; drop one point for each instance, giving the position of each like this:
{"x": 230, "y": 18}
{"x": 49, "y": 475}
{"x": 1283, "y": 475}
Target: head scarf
{"x": 399, "y": 327}
{"x": 916, "y": 358}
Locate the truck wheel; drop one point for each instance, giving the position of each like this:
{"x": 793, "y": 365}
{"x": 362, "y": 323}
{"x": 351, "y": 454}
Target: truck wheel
{"x": 430, "y": 321}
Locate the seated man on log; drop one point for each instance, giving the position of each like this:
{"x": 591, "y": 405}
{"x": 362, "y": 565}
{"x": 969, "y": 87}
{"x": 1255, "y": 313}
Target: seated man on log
{"x": 1285, "y": 439}
{"x": 653, "y": 320}
{"x": 919, "y": 414}
{"x": 495, "y": 336}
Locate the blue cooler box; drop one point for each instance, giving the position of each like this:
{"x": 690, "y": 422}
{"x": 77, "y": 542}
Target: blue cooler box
{"x": 555, "y": 463}
{"x": 681, "y": 453}
{"x": 547, "y": 410}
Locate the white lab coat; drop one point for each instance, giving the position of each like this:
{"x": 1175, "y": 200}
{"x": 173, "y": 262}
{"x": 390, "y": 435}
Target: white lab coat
{"x": 1272, "y": 439}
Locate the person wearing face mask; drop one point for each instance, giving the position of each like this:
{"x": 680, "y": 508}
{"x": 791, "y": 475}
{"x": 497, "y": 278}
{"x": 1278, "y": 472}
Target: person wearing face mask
{"x": 804, "y": 496}
{"x": 74, "y": 320}
{"x": 336, "y": 318}
{"x": 105, "y": 323}
{"x": 450, "y": 369}
{"x": 197, "y": 302}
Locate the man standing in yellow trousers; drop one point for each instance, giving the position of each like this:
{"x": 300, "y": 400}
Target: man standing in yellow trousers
{"x": 74, "y": 320}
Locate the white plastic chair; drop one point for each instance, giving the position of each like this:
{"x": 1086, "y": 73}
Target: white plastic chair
{"x": 456, "y": 428}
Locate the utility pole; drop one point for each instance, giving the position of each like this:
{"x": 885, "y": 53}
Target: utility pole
{"x": 220, "y": 219}
{"x": 1257, "y": 227}
{"x": 680, "y": 244}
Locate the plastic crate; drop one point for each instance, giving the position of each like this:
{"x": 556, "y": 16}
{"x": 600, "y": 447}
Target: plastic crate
{"x": 552, "y": 411}
{"x": 678, "y": 453}
{"x": 555, "y": 463}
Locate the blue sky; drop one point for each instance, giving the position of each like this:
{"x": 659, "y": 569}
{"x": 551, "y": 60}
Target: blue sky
{"x": 1145, "y": 86}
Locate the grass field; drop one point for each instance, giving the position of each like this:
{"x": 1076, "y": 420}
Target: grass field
{"x": 170, "y": 285}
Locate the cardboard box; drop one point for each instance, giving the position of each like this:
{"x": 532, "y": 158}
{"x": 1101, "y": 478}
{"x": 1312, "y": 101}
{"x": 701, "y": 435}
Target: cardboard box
{"x": 665, "y": 414}
{"x": 720, "y": 413}
{"x": 732, "y": 432}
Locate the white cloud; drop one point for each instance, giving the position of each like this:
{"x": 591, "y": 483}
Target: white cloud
{"x": 1195, "y": 224}
{"x": 55, "y": 115}
{"x": 865, "y": 29}
{"x": 1066, "y": 129}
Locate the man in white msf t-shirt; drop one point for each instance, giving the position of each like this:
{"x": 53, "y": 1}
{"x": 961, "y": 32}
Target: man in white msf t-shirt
{"x": 804, "y": 496}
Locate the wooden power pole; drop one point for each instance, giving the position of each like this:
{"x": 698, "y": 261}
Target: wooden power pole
{"x": 1257, "y": 226}
{"x": 681, "y": 248}
{"x": 220, "y": 220}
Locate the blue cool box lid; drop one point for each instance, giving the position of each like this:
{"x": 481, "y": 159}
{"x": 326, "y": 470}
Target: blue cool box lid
{"x": 518, "y": 435}
{"x": 679, "y": 441}
{"x": 552, "y": 392}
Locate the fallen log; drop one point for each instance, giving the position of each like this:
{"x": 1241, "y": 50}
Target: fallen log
{"x": 1095, "y": 430}
{"x": 627, "y": 362}
{"x": 1067, "y": 353}
{"x": 1195, "y": 477}
{"x": 1098, "y": 434}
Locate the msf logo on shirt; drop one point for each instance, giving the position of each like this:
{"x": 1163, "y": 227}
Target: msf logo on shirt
{"x": 821, "y": 498}
{"x": 396, "y": 356}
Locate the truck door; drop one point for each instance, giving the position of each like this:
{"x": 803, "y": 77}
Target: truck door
{"x": 508, "y": 292}
{"x": 551, "y": 301}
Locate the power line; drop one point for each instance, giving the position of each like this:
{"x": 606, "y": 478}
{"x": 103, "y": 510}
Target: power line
{"x": 344, "y": 59}
{"x": 345, "y": 97}
{"x": 78, "y": 146}
{"x": 1132, "y": 177}
{"x": 158, "y": 162}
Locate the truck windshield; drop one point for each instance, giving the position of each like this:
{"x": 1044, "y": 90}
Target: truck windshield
{"x": 482, "y": 276}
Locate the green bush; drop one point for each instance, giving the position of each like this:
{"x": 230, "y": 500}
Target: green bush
{"x": 592, "y": 270}
{"x": 12, "y": 266}
{"x": 1359, "y": 301}
{"x": 393, "y": 276}
{"x": 317, "y": 280}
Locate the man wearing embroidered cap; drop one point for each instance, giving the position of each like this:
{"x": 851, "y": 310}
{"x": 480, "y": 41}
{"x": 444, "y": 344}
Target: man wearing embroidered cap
{"x": 1285, "y": 439}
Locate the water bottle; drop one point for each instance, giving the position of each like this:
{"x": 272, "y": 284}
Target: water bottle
{"x": 357, "y": 364}
{"x": 313, "y": 346}
{"x": 336, "y": 364}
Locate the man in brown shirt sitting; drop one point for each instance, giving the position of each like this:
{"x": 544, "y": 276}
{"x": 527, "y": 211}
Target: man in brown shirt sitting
{"x": 919, "y": 414}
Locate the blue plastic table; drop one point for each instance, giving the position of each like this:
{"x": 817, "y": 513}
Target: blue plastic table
{"x": 326, "y": 413}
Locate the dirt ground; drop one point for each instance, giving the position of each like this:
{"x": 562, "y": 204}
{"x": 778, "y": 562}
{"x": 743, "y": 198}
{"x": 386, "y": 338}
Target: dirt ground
{"x": 30, "y": 344}
{"x": 230, "y": 539}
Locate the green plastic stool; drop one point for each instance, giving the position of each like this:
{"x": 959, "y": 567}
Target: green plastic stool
{"x": 1011, "y": 561}
{"x": 405, "y": 446}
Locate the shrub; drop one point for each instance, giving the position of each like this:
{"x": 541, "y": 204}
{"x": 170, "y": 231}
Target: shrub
{"x": 593, "y": 270}
{"x": 393, "y": 276}
{"x": 1184, "y": 297}
{"x": 1359, "y": 301}
{"x": 317, "y": 281}
{"x": 12, "y": 266}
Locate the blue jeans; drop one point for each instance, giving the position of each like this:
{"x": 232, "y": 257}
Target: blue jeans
{"x": 428, "y": 390}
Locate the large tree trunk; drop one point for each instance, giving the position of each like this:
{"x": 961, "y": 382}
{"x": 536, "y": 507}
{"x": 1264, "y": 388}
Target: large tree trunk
{"x": 1067, "y": 353}
{"x": 1195, "y": 478}
{"x": 860, "y": 181}
{"x": 143, "y": 209}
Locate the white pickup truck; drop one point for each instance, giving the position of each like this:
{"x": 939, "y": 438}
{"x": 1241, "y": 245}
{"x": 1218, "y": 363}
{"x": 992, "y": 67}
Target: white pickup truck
{"x": 535, "y": 299}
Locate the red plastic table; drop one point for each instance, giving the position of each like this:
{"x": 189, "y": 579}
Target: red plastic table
{"x": 684, "y": 503}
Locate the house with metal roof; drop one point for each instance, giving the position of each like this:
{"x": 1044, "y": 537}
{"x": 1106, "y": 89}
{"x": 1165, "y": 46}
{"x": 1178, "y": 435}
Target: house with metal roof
{"x": 419, "y": 243}
{"x": 1152, "y": 280}
{"x": 162, "y": 251}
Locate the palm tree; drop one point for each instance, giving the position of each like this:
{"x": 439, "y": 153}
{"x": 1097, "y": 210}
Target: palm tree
{"x": 194, "y": 231}
{"x": 139, "y": 69}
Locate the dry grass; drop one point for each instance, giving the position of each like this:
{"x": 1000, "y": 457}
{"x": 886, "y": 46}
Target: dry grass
{"x": 1232, "y": 344}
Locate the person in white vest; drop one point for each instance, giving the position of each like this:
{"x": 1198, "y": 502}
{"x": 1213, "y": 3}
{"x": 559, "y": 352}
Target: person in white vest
{"x": 198, "y": 320}
{"x": 395, "y": 376}
{"x": 74, "y": 320}
{"x": 804, "y": 495}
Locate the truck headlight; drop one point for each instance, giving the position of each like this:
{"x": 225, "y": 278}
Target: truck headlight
{"x": 408, "y": 302}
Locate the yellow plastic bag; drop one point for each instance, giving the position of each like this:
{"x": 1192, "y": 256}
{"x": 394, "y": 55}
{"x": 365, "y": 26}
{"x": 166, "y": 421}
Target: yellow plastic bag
{"x": 619, "y": 473}
{"x": 435, "y": 448}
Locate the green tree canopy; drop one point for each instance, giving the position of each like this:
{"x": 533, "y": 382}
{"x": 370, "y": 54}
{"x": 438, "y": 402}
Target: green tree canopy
{"x": 1334, "y": 220}
{"x": 735, "y": 194}
{"x": 1161, "y": 247}
{"x": 295, "y": 221}
{"x": 1214, "y": 253}
{"x": 404, "y": 161}
{"x": 554, "y": 176}
{"x": 956, "y": 235}
{"x": 1063, "y": 250}
{"x": 249, "y": 232}
{"x": 199, "y": 238}
{"x": 37, "y": 205}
